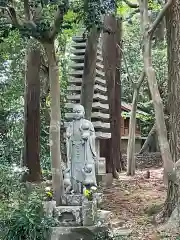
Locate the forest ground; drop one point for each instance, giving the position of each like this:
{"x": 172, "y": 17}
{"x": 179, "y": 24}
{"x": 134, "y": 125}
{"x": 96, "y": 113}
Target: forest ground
{"x": 134, "y": 202}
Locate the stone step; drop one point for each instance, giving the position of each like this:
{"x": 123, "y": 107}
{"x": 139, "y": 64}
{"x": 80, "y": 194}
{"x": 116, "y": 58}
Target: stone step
{"x": 97, "y": 88}
{"x": 80, "y": 73}
{"x": 77, "y": 80}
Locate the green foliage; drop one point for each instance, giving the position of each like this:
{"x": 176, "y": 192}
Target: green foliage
{"x": 21, "y": 208}
{"x": 132, "y": 56}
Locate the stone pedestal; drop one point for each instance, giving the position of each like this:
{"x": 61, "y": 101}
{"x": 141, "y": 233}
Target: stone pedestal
{"x": 49, "y": 207}
{"x": 72, "y": 199}
{"x": 69, "y": 215}
{"x": 89, "y": 213}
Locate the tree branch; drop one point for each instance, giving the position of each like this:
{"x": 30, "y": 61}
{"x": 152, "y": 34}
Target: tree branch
{"x": 141, "y": 79}
{"x": 130, "y": 4}
{"x": 159, "y": 17}
{"x": 125, "y": 63}
{"x": 61, "y": 10}
{"x": 26, "y": 10}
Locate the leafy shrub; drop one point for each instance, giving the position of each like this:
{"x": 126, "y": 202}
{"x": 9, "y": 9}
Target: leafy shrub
{"x": 22, "y": 215}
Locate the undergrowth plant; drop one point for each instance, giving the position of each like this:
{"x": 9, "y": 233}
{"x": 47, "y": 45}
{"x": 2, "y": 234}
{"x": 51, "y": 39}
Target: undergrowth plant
{"x": 22, "y": 216}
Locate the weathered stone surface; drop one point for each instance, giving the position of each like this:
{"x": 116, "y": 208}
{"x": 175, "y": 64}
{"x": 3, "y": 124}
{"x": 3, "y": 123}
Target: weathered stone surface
{"x": 76, "y": 233}
{"x": 69, "y": 215}
{"x": 72, "y": 199}
{"x": 81, "y": 153}
{"x": 49, "y": 207}
{"x": 96, "y": 105}
{"x": 81, "y": 66}
{"x": 105, "y": 180}
{"x": 146, "y": 160}
{"x": 101, "y": 165}
{"x": 80, "y": 58}
{"x": 89, "y": 212}
{"x": 97, "y": 88}
{"x": 97, "y": 96}
{"x": 103, "y": 135}
{"x": 104, "y": 216}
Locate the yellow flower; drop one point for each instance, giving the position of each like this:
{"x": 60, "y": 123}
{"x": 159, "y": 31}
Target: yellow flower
{"x": 49, "y": 194}
{"x": 86, "y": 193}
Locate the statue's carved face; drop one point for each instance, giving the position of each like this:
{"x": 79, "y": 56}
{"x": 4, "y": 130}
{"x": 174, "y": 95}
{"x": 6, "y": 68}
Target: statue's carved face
{"x": 78, "y": 112}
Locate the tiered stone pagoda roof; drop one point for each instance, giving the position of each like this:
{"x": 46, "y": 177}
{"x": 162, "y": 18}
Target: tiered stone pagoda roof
{"x": 100, "y": 107}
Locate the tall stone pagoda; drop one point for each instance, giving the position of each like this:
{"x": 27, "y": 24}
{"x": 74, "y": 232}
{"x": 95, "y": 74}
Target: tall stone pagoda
{"x": 100, "y": 107}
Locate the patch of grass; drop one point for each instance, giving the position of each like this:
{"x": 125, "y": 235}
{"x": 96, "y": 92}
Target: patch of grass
{"x": 153, "y": 209}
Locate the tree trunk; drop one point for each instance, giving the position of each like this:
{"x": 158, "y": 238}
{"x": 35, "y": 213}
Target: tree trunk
{"x": 119, "y": 164}
{"x": 157, "y": 101}
{"x": 57, "y": 176}
{"x": 89, "y": 73}
{"x": 132, "y": 129}
{"x": 173, "y": 43}
{"x": 109, "y": 50}
{"x": 31, "y": 158}
{"x": 149, "y": 139}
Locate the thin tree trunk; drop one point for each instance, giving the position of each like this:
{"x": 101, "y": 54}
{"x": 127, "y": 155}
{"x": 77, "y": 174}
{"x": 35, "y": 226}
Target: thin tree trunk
{"x": 31, "y": 158}
{"x": 57, "y": 176}
{"x": 149, "y": 139}
{"x": 89, "y": 73}
{"x": 119, "y": 164}
{"x": 157, "y": 101}
{"x": 109, "y": 48}
{"x": 132, "y": 129}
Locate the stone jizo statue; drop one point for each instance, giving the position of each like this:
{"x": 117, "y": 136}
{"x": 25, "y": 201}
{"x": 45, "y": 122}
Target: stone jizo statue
{"x": 81, "y": 155}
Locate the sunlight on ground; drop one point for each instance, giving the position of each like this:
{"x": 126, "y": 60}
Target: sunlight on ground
{"x": 134, "y": 202}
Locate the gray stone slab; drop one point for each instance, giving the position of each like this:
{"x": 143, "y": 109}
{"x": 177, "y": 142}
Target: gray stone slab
{"x": 97, "y": 88}
{"x": 101, "y": 166}
{"x": 96, "y": 105}
{"x": 80, "y": 58}
{"x": 97, "y": 97}
{"x": 105, "y": 180}
{"x": 103, "y": 135}
{"x": 76, "y": 233}
{"x": 77, "y": 80}
{"x": 101, "y": 125}
{"x": 81, "y": 65}
{"x": 69, "y": 215}
{"x": 96, "y": 115}
{"x": 72, "y": 199}
{"x": 80, "y": 73}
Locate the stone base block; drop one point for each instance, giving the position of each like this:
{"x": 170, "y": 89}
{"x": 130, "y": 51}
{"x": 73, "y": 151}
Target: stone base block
{"x": 105, "y": 180}
{"x": 72, "y": 199}
{"x": 69, "y": 215}
{"x": 104, "y": 217}
{"x": 77, "y": 233}
{"x": 101, "y": 166}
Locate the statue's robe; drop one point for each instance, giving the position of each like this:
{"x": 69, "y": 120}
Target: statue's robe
{"x": 80, "y": 152}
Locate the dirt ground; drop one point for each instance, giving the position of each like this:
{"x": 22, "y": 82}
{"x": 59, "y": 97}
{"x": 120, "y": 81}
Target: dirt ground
{"x": 134, "y": 201}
